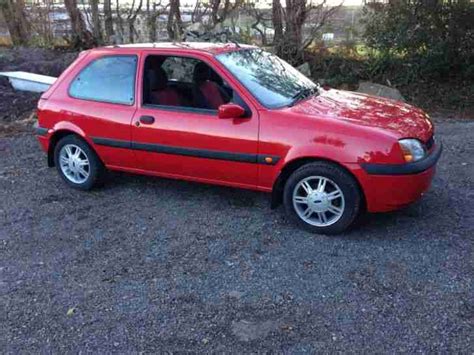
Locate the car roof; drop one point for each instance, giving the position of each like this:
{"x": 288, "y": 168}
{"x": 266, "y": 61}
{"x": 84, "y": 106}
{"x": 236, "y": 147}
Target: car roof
{"x": 211, "y": 48}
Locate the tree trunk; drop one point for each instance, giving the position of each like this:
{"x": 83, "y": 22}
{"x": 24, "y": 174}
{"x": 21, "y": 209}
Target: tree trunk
{"x": 131, "y": 18}
{"x": 120, "y": 27}
{"x": 131, "y": 31}
{"x": 81, "y": 37}
{"x": 277, "y": 22}
{"x": 175, "y": 25}
{"x": 152, "y": 15}
{"x": 108, "y": 20}
{"x": 259, "y": 19}
{"x": 220, "y": 10}
{"x": 96, "y": 26}
{"x": 263, "y": 36}
{"x": 17, "y": 24}
{"x": 296, "y": 12}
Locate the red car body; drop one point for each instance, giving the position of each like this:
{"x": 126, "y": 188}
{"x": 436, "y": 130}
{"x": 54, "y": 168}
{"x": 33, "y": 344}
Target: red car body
{"x": 357, "y": 132}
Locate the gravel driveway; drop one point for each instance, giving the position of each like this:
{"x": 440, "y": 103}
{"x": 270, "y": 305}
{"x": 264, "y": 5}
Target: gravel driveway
{"x": 148, "y": 264}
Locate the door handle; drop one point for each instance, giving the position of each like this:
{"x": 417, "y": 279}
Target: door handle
{"x": 147, "y": 119}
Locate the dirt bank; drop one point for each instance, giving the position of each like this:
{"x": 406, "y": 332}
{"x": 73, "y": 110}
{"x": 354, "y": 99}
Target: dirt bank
{"x": 17, "y": 105}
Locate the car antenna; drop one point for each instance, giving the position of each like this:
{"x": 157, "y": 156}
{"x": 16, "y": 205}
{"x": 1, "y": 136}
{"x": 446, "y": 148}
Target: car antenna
{"x": 235, "y": 42}
{"x": 181, "y": 44}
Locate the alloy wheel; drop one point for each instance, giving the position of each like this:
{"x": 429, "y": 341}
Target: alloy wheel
{"x": 74, "y": 163}
{"x": 318, "y": 201}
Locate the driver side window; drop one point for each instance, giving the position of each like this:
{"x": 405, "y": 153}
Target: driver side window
{"x": 184, "y": 82}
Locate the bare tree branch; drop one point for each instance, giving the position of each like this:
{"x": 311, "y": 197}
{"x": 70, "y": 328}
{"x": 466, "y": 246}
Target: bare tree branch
{"x": 131, "y": 18}
{"x": 214, "y": 12}
{"x": 82, "y": 38}
{"x": 322, "y": 15}
{"x": 292, "y": 38}
{"x": 259, "y": 20}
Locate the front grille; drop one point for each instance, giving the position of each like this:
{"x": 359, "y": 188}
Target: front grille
{"x": 429, "y": 143}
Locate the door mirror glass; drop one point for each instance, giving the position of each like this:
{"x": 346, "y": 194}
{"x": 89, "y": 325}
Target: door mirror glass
{"x": 231, "y": 111}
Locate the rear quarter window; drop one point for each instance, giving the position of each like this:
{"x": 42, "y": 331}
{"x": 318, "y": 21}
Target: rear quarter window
{"x": 107, "y": 79}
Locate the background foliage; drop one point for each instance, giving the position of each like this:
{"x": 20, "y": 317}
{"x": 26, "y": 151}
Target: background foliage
{"x": 437, "y": 39}
{"x": 424, "y": 48}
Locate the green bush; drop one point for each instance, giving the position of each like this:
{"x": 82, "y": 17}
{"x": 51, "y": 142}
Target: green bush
{"x": 454, "y": 92}
{"x": 435, "y": 39}
{"x": 424, "y": 50}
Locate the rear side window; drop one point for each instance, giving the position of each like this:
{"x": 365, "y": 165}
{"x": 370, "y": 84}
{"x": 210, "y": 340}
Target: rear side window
{"x": 108, "y": 79}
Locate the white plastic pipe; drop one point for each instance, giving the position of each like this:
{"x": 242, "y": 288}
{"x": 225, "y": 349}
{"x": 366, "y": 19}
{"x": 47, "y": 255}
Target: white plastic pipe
{"x": 24, "y": 81}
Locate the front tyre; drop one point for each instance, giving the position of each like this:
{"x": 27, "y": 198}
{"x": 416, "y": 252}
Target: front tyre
{"x": 77, "y": 164}
{"x": 322, "y": 198}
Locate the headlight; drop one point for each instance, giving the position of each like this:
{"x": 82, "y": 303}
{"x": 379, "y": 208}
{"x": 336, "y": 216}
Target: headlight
{"x": 412, "y": 149}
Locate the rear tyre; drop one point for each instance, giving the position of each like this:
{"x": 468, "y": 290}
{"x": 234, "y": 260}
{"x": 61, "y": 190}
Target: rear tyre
{"x": 77, "y": 164}
{"x": 322, "y": 198}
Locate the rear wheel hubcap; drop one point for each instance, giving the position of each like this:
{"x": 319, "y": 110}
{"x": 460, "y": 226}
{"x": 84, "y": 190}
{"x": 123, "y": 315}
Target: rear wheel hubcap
{"x": 74, "y": 163}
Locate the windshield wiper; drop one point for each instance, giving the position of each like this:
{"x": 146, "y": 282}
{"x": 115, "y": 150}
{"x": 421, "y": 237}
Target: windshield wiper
{"x": 302, "y": 94}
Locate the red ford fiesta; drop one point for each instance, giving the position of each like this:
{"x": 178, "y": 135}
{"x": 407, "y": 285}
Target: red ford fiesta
{"x": 238, "y": 116}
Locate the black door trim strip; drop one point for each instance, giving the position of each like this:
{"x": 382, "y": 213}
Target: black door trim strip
{"x": 116, "y": 143}
{"x": 190, "y": 152}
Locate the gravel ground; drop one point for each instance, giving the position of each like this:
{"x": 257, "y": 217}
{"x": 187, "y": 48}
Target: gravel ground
{"x": 147, "y": 264}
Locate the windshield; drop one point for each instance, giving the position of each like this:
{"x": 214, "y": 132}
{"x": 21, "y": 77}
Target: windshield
{"x": 271, "y": 80}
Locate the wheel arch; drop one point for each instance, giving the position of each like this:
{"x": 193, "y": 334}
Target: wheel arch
{"x": 295, "y": 164}
{"x": 57, "y": 136}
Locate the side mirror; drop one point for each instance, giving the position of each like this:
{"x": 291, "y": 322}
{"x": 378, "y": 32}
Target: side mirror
{"x": 230, "y": 111}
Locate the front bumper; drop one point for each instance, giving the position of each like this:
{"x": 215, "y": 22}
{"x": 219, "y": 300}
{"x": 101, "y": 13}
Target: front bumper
{"x": 389, "y": 187}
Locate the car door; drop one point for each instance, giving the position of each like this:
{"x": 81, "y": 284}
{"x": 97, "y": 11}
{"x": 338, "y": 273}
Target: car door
{"x": 194, "y": 143}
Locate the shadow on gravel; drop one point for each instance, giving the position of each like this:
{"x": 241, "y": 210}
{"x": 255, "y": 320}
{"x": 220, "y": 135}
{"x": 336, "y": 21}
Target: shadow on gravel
{"x": 368, "y": 226}
{"x": 188, "y": 190}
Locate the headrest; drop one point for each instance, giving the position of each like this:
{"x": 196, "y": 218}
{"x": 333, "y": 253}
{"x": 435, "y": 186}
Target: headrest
{"x": 154, "y": 61}
{"x": 161, "y": 80}
{"x": 203, "y": 72}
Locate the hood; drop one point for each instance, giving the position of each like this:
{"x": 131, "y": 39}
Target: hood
{"x": 372, "y": 111}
